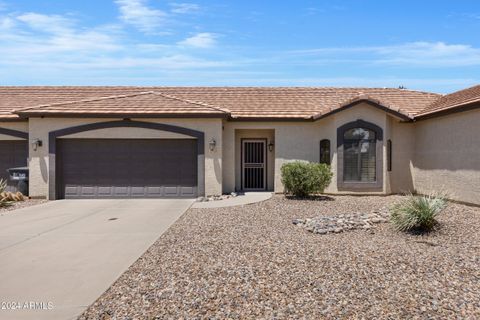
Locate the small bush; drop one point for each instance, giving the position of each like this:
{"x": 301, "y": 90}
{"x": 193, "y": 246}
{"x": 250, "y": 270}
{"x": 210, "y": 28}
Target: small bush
{"x": 3, "y": 201}
{"x": 417, "y": 213}
{"x": 304, "y": 178}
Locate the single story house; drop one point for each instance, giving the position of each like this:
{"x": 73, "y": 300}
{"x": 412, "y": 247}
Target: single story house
{"x": 107, "y": 142}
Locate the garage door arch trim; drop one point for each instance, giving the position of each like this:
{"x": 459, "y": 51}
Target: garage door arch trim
{"x": 14, "y": 133}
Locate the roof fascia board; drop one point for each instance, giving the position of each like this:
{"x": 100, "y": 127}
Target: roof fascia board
{"x": 446, "y": 112}
{"x": 26, "y": 115}
{"x": 369, "y": 102}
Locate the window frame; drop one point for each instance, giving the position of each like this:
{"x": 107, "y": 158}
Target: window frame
{"x": 329, "y": 162}
{"x": 377, "y": 185}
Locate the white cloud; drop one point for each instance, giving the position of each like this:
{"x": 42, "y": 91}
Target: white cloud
{"x": 171, "y": 61}
{"x": 200, "y": 40}
{"x": 34, "y": 34}
{"x": 430, "y": 54}
{"x": 138, "y": 14}
{"x": 6, "y": 23}
{"x": 46, "y": 23}
{"x": 184, "y": 8}
{"x": 61, "y": 35}
{"x": 57, "y": 49}
{"x": 420, "y": 54}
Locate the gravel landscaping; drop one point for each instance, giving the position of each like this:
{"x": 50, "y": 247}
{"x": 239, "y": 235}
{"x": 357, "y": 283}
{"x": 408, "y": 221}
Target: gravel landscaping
{"x": 21, "y": 204}
{"x": 343, "y": 222}
{"x": 253, "y": 262}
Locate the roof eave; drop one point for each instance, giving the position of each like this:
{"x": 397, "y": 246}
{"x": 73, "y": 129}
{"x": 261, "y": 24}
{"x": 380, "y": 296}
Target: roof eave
{"x": 26, "y": 115}
{"x": 398, "y": 114}
{"x": 11, "y": 118}
{"x": 449, "y": 111}
{"x": 266, "y": 119}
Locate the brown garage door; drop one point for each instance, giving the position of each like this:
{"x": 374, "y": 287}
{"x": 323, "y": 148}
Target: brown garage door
{"x": 13, "y": 153}
{"x": 127, "y": 168}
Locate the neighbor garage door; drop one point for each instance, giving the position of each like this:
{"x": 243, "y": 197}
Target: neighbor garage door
{"x": 136, "y": 168}
{"x": 13, "y": 153}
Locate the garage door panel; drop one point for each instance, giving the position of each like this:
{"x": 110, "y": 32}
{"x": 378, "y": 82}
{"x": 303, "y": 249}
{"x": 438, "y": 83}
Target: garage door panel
{"x": 113, "y": 168}
{"x": 104, "y": 191}
{"x": 186, "y": 191}
{"x": 154, "y": 191}
{"x": 87, "y": 192}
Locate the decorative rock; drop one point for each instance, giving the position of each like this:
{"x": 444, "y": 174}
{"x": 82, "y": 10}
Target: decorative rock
{"x": 216, "y": 197}
{"x": 320, "y": 231}
{"x": 343, "y": 222}
{"x": 298, "y": 221}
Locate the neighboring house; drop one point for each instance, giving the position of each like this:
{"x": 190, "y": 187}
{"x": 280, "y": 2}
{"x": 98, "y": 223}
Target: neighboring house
{"x": 98, "y": 142}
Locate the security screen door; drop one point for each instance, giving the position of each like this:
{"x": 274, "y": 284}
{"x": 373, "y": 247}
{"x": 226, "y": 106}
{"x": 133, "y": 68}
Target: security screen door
{"x": 254, "y": 164}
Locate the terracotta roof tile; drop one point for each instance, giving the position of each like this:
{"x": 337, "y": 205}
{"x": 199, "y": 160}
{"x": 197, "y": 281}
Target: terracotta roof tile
{"x": 128, "y": 104}
{"x": 300, "y": 102}
{"x": 453, "y": 100}
{"x": 241, "y": 102}
{"x": 13, "y": 98}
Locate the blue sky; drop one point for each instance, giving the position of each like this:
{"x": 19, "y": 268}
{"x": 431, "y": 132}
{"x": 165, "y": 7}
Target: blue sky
{"x": 423, "y": 45}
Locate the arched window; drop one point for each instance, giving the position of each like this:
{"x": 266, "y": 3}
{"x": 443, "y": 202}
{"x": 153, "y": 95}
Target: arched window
{"x": 359, "y": 155}
{"x": 325, "y": 151}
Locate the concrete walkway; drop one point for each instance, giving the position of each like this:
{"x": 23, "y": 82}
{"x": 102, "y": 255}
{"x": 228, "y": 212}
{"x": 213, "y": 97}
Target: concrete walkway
{"x": 63, "y": 255}
{"x": 241, "y": 199}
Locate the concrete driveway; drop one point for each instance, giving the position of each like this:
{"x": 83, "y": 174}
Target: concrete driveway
{"x": 58, "y": 258}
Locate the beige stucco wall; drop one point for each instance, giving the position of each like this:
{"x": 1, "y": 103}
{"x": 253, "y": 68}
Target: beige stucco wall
{"x": 440, "y": 154}
{"x": 402, "y": 135}
{"x": 447, "y": 156}
{"x": 40, "y": 127}
{"x": 299, "y": 140}
{"x": 13, "y": 125}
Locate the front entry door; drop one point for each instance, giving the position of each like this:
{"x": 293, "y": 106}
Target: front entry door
{"x": 254, "y": 173}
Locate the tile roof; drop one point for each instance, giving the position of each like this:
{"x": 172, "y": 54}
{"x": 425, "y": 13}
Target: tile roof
{"x": 453, "y": 100}
{"x": 238, "y": 102}
{"x": 136, "y": 104}
{"x": 296, "y": 102}
{"x": 13, "y": 98}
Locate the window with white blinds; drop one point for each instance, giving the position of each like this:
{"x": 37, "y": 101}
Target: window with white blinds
{"x": 359, "y": 155}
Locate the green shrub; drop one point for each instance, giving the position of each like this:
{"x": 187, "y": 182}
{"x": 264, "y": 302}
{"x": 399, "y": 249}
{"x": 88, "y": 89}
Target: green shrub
{"x": 304, "y": 178}
{"x": 417, "y": 212}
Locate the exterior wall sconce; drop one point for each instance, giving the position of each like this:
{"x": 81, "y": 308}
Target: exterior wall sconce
{"x": 36, "y": 143}
{"x": 212, "y": 144}
{"x": 270, "y": 146}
